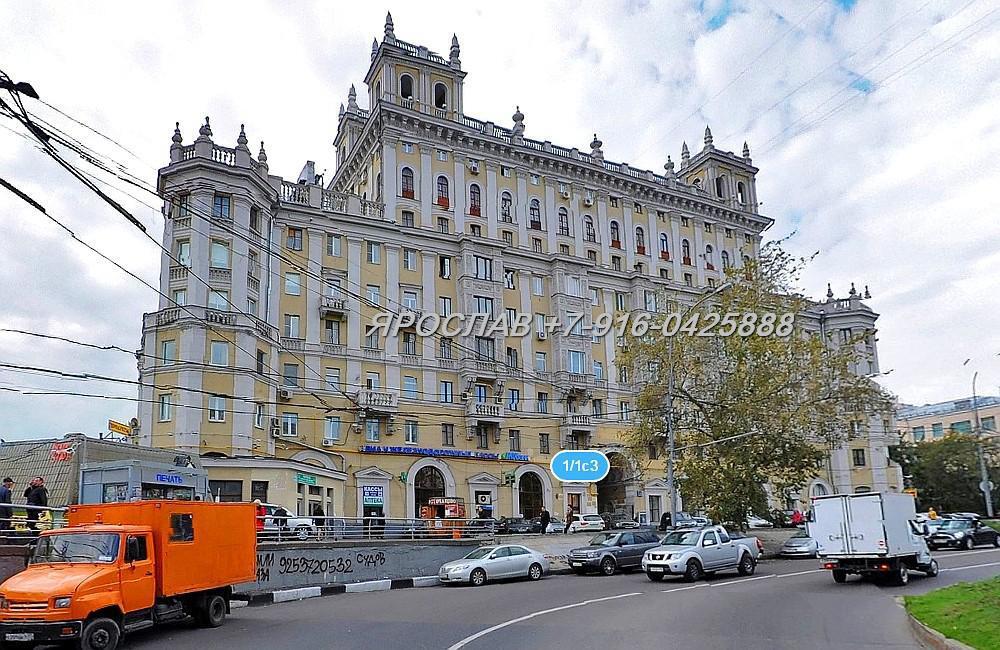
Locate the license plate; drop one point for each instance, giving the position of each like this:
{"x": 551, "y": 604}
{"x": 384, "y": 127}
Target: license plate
{"x": 576, "y": 563}
{"x": 656, "y": 569}
{"x": 20, "y": 636}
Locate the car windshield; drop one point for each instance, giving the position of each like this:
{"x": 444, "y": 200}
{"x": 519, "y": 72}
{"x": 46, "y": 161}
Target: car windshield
{"x": 76, "y": 547}
{"x": 955, "y": 524}
{"x": 800, "y": 534}
{"x": 681, "y": 538}
{"x": 603, "y": 539}
{"x": 480, "y": 553}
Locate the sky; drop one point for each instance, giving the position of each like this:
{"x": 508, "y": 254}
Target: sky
{"x": 874, "y": 125}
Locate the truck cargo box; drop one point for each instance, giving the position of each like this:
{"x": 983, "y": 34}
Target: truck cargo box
{"x": 870, "y": 524}
{"x": 198, "y": 545}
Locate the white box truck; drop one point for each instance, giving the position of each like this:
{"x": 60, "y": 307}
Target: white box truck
{"x": 871, "y": 534}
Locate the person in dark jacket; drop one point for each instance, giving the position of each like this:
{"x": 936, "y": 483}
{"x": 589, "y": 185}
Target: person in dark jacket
{"x": 665, "y": 521}
{"x": 6, "y": 496}
{"x": 545, "y": 518}
{"x": 36, "y": 494}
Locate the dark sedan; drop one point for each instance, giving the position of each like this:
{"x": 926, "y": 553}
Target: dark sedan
{"x": 513, "y": 526}
{"x": 962, "y": 533}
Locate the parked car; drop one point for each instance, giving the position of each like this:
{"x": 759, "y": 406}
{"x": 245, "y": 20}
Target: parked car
{"x": 757, "y": 522}
{"x": 619, "y": 521}
{"x": 611, "y": 551}
{"x": 696, "y": 552}
{"x": 300, "y": 527}
{"x": 799, "y": 545}
{"x": 493, "y": 562}
{"x": 555, "y": 526}
{"x": 587, "y": 523}
{"x": 513, "y": 525}
{"x": 686, "y": 520}
{"x": 962, "y": 533}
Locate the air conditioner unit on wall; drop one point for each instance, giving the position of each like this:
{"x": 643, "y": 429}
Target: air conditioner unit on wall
{"x": 564, "y": 194}
{"x": 473, "y": 166}
{"x": 327, "y": 443}
{"x": 588, "y": 201}
{"x": 541, "y": 335}
{"x": 284, "y": 394}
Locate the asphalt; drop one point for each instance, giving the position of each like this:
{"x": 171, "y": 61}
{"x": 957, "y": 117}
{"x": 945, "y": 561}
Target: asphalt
{"x": 786, "y": 604}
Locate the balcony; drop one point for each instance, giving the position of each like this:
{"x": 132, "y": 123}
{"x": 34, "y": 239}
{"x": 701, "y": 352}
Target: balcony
{"x": 442, "y": 202}
{"x": 373, "y": 354}
{"x": 407, "y": 193}
{"x": 574, "y": 382}
{"x": 333, "y": 305}
{"x": 664, "y": 255}
{"x": 178, "y": 273}
{"x": 710, "y": 266}
{"x": 535, "y": 225}
{"x": 379, "y": 400}
{"x": 686, "y": 261}
{"x": 222, "y": 276}
{"x": 640, "y": 250}
{"x": 475, "y": 211}
{"x": 615, "y": 243}
{"x": 483, "y": 369}
{"x": 485, "y": 411}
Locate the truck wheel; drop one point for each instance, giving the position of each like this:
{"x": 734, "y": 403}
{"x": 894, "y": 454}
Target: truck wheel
{"x": 747, "y": 565}
{"x": 932, "y": 569}
{"x": 693, "y": 571}
{"x": 902, "y": 575}
{"x": 100, "y": 634}
{"x": 969, "y": 543}
{"x": 655, "y": 577}
{"x": 839, "y": 576}
{"x": 213, "y": 611}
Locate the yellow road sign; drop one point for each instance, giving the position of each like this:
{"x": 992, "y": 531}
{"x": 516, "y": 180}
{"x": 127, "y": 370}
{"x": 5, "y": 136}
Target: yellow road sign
{"x": 118, "y": 427}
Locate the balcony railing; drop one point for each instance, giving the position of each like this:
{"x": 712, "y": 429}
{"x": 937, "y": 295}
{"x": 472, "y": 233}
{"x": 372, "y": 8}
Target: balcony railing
{"x": 377, "y": 399}
{"x": 178, "y": 272}
{"x": 333, "y": 304}
{"x": 220, "y": 275}
{"x": 484, "y": 410}
{"x": 374, "y": 354}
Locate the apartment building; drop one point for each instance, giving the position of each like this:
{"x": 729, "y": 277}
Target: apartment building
{"x": 934, "y": 421}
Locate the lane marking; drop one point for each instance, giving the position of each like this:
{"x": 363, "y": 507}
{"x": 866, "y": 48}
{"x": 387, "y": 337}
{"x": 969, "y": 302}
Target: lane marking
{"x": 469, "y": 639}
{"x": 971, "y": 566}
{"x": 699, "y": 586}
{"x": 800, "y": 573}
{"x": 964, "y": 553}
{"x": 740, "y": 580}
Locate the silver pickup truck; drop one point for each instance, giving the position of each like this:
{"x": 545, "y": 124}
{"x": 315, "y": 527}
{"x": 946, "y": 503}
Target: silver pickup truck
{"x": 696, "y": 552}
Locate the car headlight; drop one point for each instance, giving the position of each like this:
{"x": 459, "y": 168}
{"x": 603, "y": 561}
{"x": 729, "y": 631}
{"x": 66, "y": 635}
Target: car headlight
{"x": 959, "y": 535}
{"x": 61, "y": 603}
{"x": 3, "y": 602}
{"x": 460, "y": 567}
{"x": 591, "y": 553}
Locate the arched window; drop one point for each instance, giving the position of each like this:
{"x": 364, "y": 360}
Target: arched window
{"x": 475, "y": 200}
{"x": 686, "y": 251}
{"x": 696, "y": 183}
{"x": 664, "y": 246}
{"x": 442, "y": 196}
{"x": 741, "y": 192}
{"x": 640, "y": 240}
{"x": 725, "y": 259}
{"x": 588, "y": 229}
{"x": 406, "y": 86}
{"x": 440, "y": 96}
{"x": 623, "y": 375}
{"x": 616, "y": 237}
{"x": 563, "y": 221}
{"x": 709, "y": 258}
{"x": 720, "y": 186}
{"x": 427, "y": 484}
{"x": 819, "y": 490}
{"x": 407, "y": 183}
{"x": 529, "y": 495}
{"x": 505, "y": 204}
{"x": 535, "y": 214}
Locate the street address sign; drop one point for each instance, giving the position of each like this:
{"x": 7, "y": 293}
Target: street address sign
{"x": 580, "y": 465}
{"x": 305, "y": 479}
{"x": 118, "y": 427}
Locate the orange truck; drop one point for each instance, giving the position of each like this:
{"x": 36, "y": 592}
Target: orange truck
{"x": 120, "y": 567}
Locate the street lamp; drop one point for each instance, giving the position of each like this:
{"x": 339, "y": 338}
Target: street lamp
{"x": 671, "y": 445}
{"x": 984, "y": 475}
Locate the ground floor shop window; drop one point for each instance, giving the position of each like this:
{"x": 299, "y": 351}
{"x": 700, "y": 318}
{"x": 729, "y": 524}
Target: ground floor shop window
{"x": 427, "y": 484}
{"x": 227, "y": 491}
{"x": 530, "y": 495}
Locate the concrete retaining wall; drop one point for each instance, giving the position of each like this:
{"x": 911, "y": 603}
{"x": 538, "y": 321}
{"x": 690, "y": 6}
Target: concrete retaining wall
{"x": 13, "y": 559}
{"x": 310, "y": 564}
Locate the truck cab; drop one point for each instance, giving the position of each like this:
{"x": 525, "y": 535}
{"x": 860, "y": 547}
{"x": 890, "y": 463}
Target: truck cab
{"x": 92, "y": 582}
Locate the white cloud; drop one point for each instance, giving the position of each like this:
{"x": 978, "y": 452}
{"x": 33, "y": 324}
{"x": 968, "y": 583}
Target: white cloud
{"x": 894, "y": 189}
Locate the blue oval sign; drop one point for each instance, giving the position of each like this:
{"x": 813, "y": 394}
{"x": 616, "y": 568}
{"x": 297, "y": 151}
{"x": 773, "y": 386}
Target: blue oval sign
{"x": 582, "y": 465}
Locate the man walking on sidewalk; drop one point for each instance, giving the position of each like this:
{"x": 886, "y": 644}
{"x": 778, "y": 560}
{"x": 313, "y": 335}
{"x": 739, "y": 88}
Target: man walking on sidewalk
{"x": 544, "y": 519}
{"x": 569, "y": 519}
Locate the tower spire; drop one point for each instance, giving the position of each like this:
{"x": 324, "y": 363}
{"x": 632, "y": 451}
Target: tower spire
{"x": 709, "y": 140}
{"x": 454, "y": 53}
{"x": 595, "y": 149}
{"x": 685, "y": 154}
{"x": 390, "y": 34}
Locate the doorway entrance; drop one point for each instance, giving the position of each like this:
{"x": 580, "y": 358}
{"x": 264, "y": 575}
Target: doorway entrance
{"x": 529, "y": 495}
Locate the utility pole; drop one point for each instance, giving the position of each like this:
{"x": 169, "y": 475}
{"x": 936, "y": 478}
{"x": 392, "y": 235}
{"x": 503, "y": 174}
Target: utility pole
{"x": 984, "y": 483}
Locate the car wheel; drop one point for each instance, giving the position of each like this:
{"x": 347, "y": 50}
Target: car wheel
{"x": 608, "y": 566}
{"x": 655, "y": 577}
{"x": 747, "y": 565}
{"x": 693, "y": 571}
{"x": 932, "y": 547}
{"x": 839, "y": 576}
{"x": 902, "y": 575}
{"x": 302, "y": 532}
{"x": 477, "y": 578}
{"x": 100, "y": 634}
{"x": 932, "y": 569}
{"x": 996, "y": 540}
{"x": 969, "y": 543}
{"x": 535, "y": 571}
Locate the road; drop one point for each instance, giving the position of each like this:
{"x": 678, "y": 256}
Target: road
{"x": 787, "y": 604}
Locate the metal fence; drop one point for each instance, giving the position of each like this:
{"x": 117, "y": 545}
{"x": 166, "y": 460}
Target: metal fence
{"x": 302, "y": 528}
{"x": 25, "y": 522}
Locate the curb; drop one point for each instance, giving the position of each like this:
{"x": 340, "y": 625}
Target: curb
{"x": 929, "y": 637}
{"x": 287, "y": 595}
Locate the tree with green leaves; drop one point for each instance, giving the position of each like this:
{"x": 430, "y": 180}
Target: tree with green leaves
{"x": 945, "y": 472}
{"x": 750, "y": 411}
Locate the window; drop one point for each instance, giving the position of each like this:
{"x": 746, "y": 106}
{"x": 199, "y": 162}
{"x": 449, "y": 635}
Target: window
{"x": 514, "y": 399}
{"x": 537, "y": 285}
{"x": 481, "y": 394}
{"x": 445, "y": 304}
{"x": 616, "y": 263}
{"x": 406, "y": 183}
{"x": 410, "y": 299}
{"x": 708, "y": 227}
{"x": 475, "y": 200}
{"x": 988, "y": 423}
{"x": 484, "y": 268}
{"x": 184, "y": 204}
{"x": 725, "y": 260}
{"x": 371, "y": 338}
{"x": 448, "y": 435}
{"x": 216, "y": 408}
{"x": 409, "y": 340}
{"x": 258, "y": 490}
{"x": 511, "y": 317}
{"x": 689, "y": 279}
{"x": 640, "y": 241}
{"x": 220, "y": 255}
{"x": 616, "y": 235}
{"x": 410, "y": 387}
{"x": 444, "y": 266}
{"x": 374, "y": 253}
{"x": 372, "y": 380}
{"x": 598, "y": 370}
{"x": 332, "y": 378}
{"x": 182, "y": 524}
{"x": 937, "y": 429}
{"x": 440, "y": 96}
{"x": 540, "y": 361}
{"x": 748, "y": 238}
{"x": 221, "y": 207}
{"x": 180, "y": 297}
{"x": 373, "y": 430}
{"x": 258, "y": 415}
{"x": 621, "y": 304}
{"x": 563, "y": 221}
{"x": 542, "y": 405}
{"x": 535, "y": 215}
{"x": 741, "y": 193}
{"x": 686, "y": 251}
{"x": 653, "y": 451}
{"x": 592, "y": 256}
{"x": 485, "y": 348}
{"x": 168, "y": 352}
{"x": 406, "y": 86}
{"x": 292, "y": 326}
{"x": 650, "y": 301}
{"x": 597, "y": 408}
{"x": 331, "y": 429}
{"x": 219, "y": 353}
{"x": 962, "y": 427}
{"x": 536, "y": 245}
{"x": 589, "y": 234}
{"x": 294, "y": 239}
{"x": 858, "y": 456}
{"x": 331, "y": 331}
{"x": 623, "y": 411}
{"x": 515, "y": 440}
{"x": 685, "y": 222}
{"x": 540, "y": 323}
{"x": 505, "y": 204}
{"x": 614, "y": 201}
{"x": 290, "y": 374}
{"x": 564, "y": 249}
{"x": 483, "y": 305}
{"x": 218, "y": 300}
{"x": 261, "y": 362}
{"x": 482, "y": 437}
{"x": 290, "y": 424}
{"x": 508, "y": 278}
{"x": 918, "y": 433}
{"x": 443, "y": 225}
{"x": 410, "y": 432}
{"x": 577, "y": 361}
{"x": 251, "y": 306}
{"x": 505, "y": 171}
{"x": 543, "y": 443}
{"x": 664, "y": 246}
{"x": 475, "y": 230}
{"x": 333, "y": 245}
{"x": 446, "y": 392}
{"x": 293, "y": 286}
{"x": 374, "y": 294}
{"x": 442, "y": 191}
{"x": 166, "y": 410}
{"x": 408, "y": 218}
{"x": 709, "y": 258}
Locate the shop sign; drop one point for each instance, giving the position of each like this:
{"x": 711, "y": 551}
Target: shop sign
{"x": 174, "y": 479}
{"x": 118, "y": 427}
{"x": 446, "y": 453}
{"x": 61, "y": 451}
{"x": 371, "y": 495}
{"x": 305, "y": 479}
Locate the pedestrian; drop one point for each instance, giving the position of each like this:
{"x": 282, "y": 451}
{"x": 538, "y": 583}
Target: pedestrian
{"x": 260, "y": 513}
{"x": 932, "y": 513}
{"x": 6, "y": 495}
{"x": 796, "y": 518}
{"x": 36, "y": 494}
{"x": 545, "y": 518}
{"x": 280, "y": 518}
{"x": 569, "y": 519}
{"x": 319, "y": 517}
{"x": 664, "y": 521}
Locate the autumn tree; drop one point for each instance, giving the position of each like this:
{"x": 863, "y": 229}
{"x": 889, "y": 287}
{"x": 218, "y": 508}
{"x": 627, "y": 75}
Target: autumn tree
{"x": 752, "y": 406}
{"x": 945, "y": 472}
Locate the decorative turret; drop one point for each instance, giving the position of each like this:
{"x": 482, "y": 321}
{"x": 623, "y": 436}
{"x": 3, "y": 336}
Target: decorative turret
{"x": 242, "y": 150}
{"x": 669, "y": 167}
{"x": 709, "y": 140}
{"x": 746, "y": 152}
{"x": 352, "y": 100}
{"x": 868, "y": 294}
{"x": 595, "y": 149}
{"x": 853, "y": 292}
{"x": 390, "y": 35}
{"x": 203, "y": 144}
{"x": 241, "y": 139}
{"x": 685, "y": 155}
{"x": 340, "y": 115}
{"x": 205, "y": 132}
{"x": 517, "y": 132}
{"x": 262, "y": 158}
{"x": 175, "y": 143}
{"x": 829, "y": 291}
{"x": 454, "y": 52}
{"x": 374, "y": 48}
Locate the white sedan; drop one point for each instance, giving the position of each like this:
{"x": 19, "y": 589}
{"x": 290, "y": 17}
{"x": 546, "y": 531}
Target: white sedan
{"x": 492, "y": 562}
{"x": 757, "y": 522}
{"x": 587, "y": 524}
